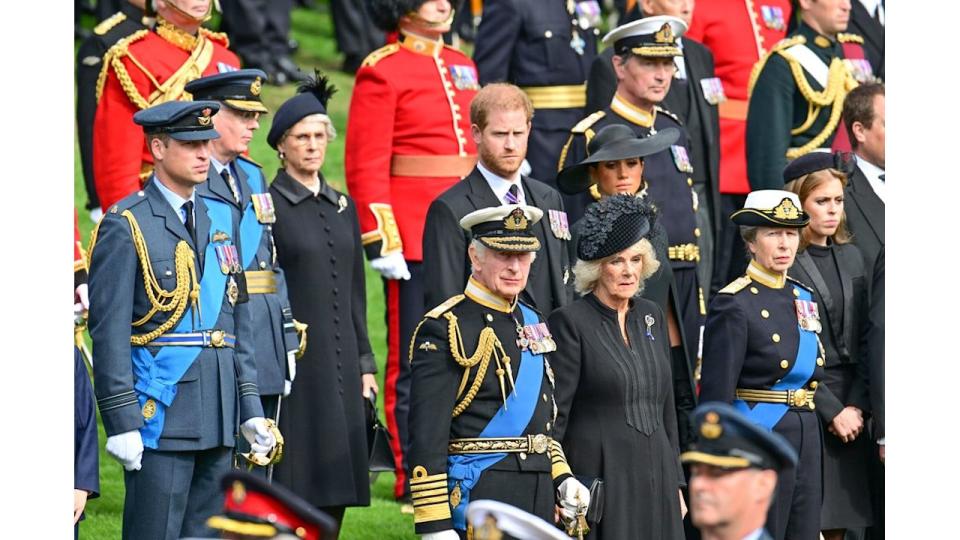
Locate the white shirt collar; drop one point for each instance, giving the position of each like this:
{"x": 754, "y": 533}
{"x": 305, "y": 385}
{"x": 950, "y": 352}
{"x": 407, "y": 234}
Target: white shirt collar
{"x": 218, "y": 166}
{"x": 872, "y": 6}
{"x": 754, "y": 535}
{"x": 175, "y": 201}
{"x": 872, "y": 173}
{"x": 500, "y": 185}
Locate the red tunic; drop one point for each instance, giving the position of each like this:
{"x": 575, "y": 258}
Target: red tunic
{"x": 154, "y": 70}
{"x": 408, "y": 139}
{"x": 739, "y": 33}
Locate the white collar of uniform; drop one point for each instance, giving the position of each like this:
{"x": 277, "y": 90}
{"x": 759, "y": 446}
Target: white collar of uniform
{"x": 500, "y": 185}
{"x": 175, "y": 201}
{"x": 872, "y": 173}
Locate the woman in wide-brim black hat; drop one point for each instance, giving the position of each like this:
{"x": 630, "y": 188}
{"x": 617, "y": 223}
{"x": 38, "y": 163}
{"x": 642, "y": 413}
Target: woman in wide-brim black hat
{"x": 614, "y": 166}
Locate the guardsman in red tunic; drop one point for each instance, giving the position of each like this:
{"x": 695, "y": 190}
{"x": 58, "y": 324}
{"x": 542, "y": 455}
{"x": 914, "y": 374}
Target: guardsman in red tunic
{"x": 738, "y": 33}
{"x": 408, "y": 140}
{"x": 147, "y": 68}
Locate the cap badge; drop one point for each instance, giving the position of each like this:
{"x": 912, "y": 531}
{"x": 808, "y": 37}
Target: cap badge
{"x": 515, "y": 221}
{"x": 711, "y": 429}
{"x": 786, "y": 210}
{"x": 665, "y": 34}
{"x": 256, "y": 86}
{"x": 239, "y": 493}
{"x": 204, "y": 118}
{"x": 149, "y": 409}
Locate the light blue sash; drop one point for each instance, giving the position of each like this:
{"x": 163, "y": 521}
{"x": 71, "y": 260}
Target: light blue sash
{"x": 157, "y": 376}
{"x": 250, "y": 228}
{"x": 768, "y": 414}
{"x": 510, "y": 421}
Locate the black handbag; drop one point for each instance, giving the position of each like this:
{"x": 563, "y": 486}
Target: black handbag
{"x": 378, "y": 439}
{"x": 595, "y": 510}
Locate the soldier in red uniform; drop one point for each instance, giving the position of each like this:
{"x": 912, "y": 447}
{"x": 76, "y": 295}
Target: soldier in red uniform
{"x": 407, "y": 142}
{"x": 739, "y": 33}
{"x": 147, "y": 68}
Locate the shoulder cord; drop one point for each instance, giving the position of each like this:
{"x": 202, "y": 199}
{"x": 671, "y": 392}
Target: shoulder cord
{"x": 488, "y": 346}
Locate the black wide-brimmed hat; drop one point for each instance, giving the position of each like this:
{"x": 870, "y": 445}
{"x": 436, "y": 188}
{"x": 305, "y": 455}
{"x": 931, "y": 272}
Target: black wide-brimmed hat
{"x": 504, "y": 228}
{"x": 818, "y": 161}
{"x": 771, "y": 208}
{"x": 728, "y": 439}
{"x": 614, "y": 224}
{"x": 612, "y": 143}
{"x": 181, "y": 120}
{"x": 311, "y": 98}
{"x": 238, "y": 89}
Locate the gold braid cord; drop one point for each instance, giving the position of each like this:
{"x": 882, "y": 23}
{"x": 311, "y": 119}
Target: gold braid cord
{"x": 187, "y": 289}
{"x": 487, "y": 346}
{"x": 758, "y": 67}
{"x": 112, "y": 59}
{"x": 839, "y": 83}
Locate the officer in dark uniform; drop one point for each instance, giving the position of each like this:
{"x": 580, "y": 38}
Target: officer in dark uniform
{"x": 545, "y": 48}
{"x": 762, "y": 352}
{"x": 254, "y": 508}
{"x": 259, "y": 32}
{"x": 796, "y": 94}
{"x": 483, "y": 356}
{"x": 236, "y": 181}
{"x": 734, "y": 465}
{"x": 645, "y": 50}
{"x": 170, "y": 323}
{"x": 89, "y": 63}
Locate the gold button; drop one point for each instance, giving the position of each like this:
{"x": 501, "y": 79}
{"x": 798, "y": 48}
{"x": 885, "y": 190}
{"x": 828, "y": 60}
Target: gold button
{"x": 784, "y": 364}
{"x": 140, "y": 193}
{"x": 754, "y": 290}
{"x": 821, "y": 41}
{"x": 489, "y": 317}
{"x": 523, "y": 455}
{"x": 812, "y": 406}
{"x": 544, "y": 398}
{"x": 548, "y": 34}
{"x": 689, "y": 181}
{"x": 813, "y": 384}
{"x": 796, "y": 293}
{"x": 776, "y": 338}
{"x": 548, "y": 426}
{"x": 819, "y": 361}
{"x": 696, "y": 232}
{"x": 263, "y": 265}
{"x": 765, "y": 314}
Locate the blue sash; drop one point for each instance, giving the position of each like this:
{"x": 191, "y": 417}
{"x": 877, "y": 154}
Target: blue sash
{"x": 157, "y": 376}
{"x": 250, "y": 228}
{"x": 510, "y": 421}
{"x": 768, "y": 414}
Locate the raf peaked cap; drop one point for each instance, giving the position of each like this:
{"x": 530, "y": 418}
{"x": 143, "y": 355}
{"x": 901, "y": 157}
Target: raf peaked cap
{"x": 771, "y": 208}
{"x": 650, "y": 36}
{"x": 728, "y": 439}
{"x": 181, "y": 120}
{"x": 238, "y": 89}
{"x": 818, "y": 161}
{"x": 255, "y": 508}
{"x": 504, "y": 228}
{"x": 612, "y": 225}
{"x": 613, "y": 143}
{"x": 495, "y": 520}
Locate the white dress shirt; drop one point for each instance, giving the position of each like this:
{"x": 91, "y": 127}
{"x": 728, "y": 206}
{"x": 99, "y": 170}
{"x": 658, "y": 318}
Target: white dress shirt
{"x": 872, "y": 172}
{"x": 501, "y": 186}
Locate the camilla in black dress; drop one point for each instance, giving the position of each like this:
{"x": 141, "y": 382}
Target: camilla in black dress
{"x": 616, "y": 417}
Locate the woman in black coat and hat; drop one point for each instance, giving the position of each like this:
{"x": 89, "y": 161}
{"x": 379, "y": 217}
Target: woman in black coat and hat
{"x": 615, "y": 166}
{"x": 616, "y": 417}
{"x": 317, "y": 237}
{"x": 833, "y": 267}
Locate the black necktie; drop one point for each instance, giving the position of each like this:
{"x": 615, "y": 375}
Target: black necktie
{"x": 883, "y": 177}
{"x": 513, "y": 195}
{"x": 188, "y": 223}
{"x": 225, "y": 173}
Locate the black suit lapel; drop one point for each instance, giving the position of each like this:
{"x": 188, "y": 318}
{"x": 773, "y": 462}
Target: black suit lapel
{"x": 868, "y": 203}
{"x": 480, "y": 195}
{"x": 243, "y": 184}
{"x": 217, "y": 186}
{"x": 203, "y": 230}
{"x": 161, "y": 208}
{"x": 846, "y": 332}
{"x": 871, "y": 29}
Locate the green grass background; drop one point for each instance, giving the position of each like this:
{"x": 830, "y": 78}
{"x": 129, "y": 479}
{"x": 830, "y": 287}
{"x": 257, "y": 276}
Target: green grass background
{"x": 382, "y": 519}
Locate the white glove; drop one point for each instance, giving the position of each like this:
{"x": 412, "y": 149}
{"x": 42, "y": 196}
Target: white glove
{"x": 256, "y": 433}
{"x": 127, "y": 448}
{"x": 448, "y": 534}
{"x": 572, "y": 495}
{"x": 393, "y": 266}
{"x": 96, "y": 214}
{"x": 292, "y": 365}
{"x": 83, "y": 296}
{"x": 287, "y": 387}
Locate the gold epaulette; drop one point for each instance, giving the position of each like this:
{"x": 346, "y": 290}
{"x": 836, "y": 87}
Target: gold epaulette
{"x": 107, "y": 24}
{"x": 380, "y": 54}
{"x": 661, "y": 110}
{"x": 219, "y": 37}
{"x": 444, "y": 307}
{"x": 113, "y": 58}
{"x": 736, "y": 285}
{"x": 583, "y": 125}
{"x": 777, "y": 47}
{"x": 844, "y": 37}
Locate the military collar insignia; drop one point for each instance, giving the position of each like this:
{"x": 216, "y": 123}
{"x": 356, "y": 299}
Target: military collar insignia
{"x": 822, "y": 42}
{"x": 631, "y": 112}
{"x": 765, "y": 277}
{"x": 420, "y": 44}
{"x": 485, "y": 297}
{"x": 176, "y": 36}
